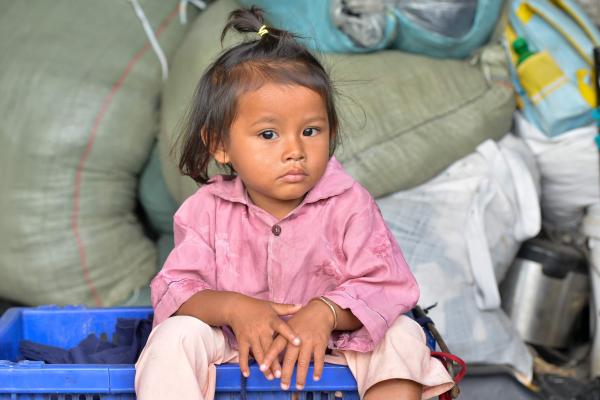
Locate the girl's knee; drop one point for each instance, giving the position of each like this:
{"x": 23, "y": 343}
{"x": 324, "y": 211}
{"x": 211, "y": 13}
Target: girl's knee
{"x": 395, "y": 389}
{"x": 182, "y": 332}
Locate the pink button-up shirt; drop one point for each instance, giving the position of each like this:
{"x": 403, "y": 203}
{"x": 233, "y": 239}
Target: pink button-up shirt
{"x": 334, "y": 244}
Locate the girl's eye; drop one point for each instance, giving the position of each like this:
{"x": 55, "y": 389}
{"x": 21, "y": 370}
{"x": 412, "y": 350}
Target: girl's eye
{"x": 269, "y": 135}
{"x": 310, "y": 132}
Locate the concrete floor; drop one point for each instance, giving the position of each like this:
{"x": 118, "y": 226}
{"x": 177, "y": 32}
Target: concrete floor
{"x": 493, "y": 387}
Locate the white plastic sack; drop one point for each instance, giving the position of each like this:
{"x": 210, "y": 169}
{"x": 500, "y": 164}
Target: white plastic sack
{"x": 459, "y": 233}
{"x": 568, "y": 165}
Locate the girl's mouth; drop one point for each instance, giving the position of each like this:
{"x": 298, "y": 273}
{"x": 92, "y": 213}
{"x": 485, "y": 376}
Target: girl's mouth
{"x": 294, "y": 176}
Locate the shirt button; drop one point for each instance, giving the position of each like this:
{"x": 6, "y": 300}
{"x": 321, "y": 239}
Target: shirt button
{"x": 276, "y": 229}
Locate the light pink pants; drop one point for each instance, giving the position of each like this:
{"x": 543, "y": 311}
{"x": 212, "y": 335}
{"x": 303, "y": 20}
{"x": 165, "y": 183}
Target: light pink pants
{"x": 179, "y": 361}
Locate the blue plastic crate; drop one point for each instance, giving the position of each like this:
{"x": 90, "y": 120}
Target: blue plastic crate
{"x": 65, "y": 327}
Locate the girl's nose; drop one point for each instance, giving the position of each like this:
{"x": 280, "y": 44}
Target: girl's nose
{"x": 294, "y": 150}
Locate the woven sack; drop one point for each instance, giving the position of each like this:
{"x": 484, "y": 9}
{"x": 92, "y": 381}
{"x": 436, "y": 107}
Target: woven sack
{"x": 80, "y": 89}
{"x": 404, "y": 117}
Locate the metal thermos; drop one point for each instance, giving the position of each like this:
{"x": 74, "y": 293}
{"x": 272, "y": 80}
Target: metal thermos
{"x": 545, "y": 290}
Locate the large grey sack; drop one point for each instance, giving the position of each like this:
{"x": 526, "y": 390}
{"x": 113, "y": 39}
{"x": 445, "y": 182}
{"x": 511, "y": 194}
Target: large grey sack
{"x": 80, "y": 89}
{"x": 404, "y": 117}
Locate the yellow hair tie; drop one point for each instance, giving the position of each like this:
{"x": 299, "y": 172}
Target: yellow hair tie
{"x": 262, "y": 31}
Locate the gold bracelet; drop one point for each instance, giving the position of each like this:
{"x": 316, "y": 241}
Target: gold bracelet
{"x": 330, "y": 305}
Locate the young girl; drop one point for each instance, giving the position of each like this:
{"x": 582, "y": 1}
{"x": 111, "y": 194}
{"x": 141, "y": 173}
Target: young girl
{"x": 287, "y": 256}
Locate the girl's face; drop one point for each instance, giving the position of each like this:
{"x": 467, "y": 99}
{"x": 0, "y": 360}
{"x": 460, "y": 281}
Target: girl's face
{"x": 278, "y": 144}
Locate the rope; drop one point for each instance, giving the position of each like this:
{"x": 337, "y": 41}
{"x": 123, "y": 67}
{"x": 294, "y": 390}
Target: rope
{"x": 139, "y": 12}
{"x": 183, "y": 8}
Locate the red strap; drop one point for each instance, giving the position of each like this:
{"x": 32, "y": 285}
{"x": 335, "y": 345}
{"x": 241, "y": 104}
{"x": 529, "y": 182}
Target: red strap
{"x": 445, "y": 396}
{"x": 448, "y": 357}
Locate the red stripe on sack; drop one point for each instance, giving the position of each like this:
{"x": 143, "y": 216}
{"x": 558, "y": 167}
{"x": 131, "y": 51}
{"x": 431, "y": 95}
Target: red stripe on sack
{"x": 88, "y": 149}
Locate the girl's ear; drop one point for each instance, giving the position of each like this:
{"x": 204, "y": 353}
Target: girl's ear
{"x": 221, "y": 155}
{"x": 218, "y": 152}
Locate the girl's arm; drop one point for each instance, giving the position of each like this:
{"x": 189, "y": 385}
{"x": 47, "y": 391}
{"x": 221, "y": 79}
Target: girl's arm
{"x": 211, "y": 306}
{"x": 375, "y": 287}
{"x": 346, "y": 321}
{"x": 377, "y": 284}
{"x": 254, "y": 322}
{"x": 186, "y": 286}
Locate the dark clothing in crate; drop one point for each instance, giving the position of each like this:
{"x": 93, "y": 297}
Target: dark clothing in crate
{"x": 128, "y": 341}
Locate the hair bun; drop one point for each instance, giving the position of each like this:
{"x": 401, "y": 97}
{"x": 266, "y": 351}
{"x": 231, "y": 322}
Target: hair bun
{"x": 244, "y": 20}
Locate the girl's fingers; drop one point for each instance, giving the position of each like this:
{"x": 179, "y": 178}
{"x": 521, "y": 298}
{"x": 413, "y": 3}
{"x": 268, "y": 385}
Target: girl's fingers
{"x": 318, "y": 361}
{"x": 276, "y": 368}
{"x": 283, "y": 329}
{"x": 286, "y": 309}
{"x": 257, "y": 350}
{"x": 303, "y": 364}
{"x": 289, "y": 361}
{"x": 265, "y": 342}
{"x": 244, "y": 350}
{"x": 272, "y": 353}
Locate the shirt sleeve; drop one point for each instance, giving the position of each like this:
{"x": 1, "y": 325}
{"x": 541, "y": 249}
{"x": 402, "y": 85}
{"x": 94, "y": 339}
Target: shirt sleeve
{"x": 190, "y": 267}
{"x": 377, "y": 284}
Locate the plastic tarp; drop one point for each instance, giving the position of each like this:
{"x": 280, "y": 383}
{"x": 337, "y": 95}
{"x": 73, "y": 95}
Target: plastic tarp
{"x": 330, "y": 25}
{"x": 459, "y": 233}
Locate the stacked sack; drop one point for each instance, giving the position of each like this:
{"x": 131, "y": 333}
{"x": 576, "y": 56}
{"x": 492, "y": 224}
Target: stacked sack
{"x": 437, "y": 28}
{"x": 81, "y": 87}
{"x": 405, "y": 117}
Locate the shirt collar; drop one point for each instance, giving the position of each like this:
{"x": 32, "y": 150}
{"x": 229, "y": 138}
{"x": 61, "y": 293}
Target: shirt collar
{"x": 334, "y": 181}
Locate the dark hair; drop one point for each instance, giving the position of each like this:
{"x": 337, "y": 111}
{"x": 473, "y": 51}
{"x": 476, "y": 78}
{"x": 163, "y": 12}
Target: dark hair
{"x": 276, "y": 56}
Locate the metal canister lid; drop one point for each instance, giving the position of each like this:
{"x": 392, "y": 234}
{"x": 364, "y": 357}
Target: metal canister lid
{"x": 556, "y": 259}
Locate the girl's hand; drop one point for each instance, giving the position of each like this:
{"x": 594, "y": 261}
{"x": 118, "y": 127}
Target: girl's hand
{"x": 254, "y": 323}
{"x": 314, "y": 324}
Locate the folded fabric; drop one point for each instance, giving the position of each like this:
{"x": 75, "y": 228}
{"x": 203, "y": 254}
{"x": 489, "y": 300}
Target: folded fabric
{"x": 128, "y": 341}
